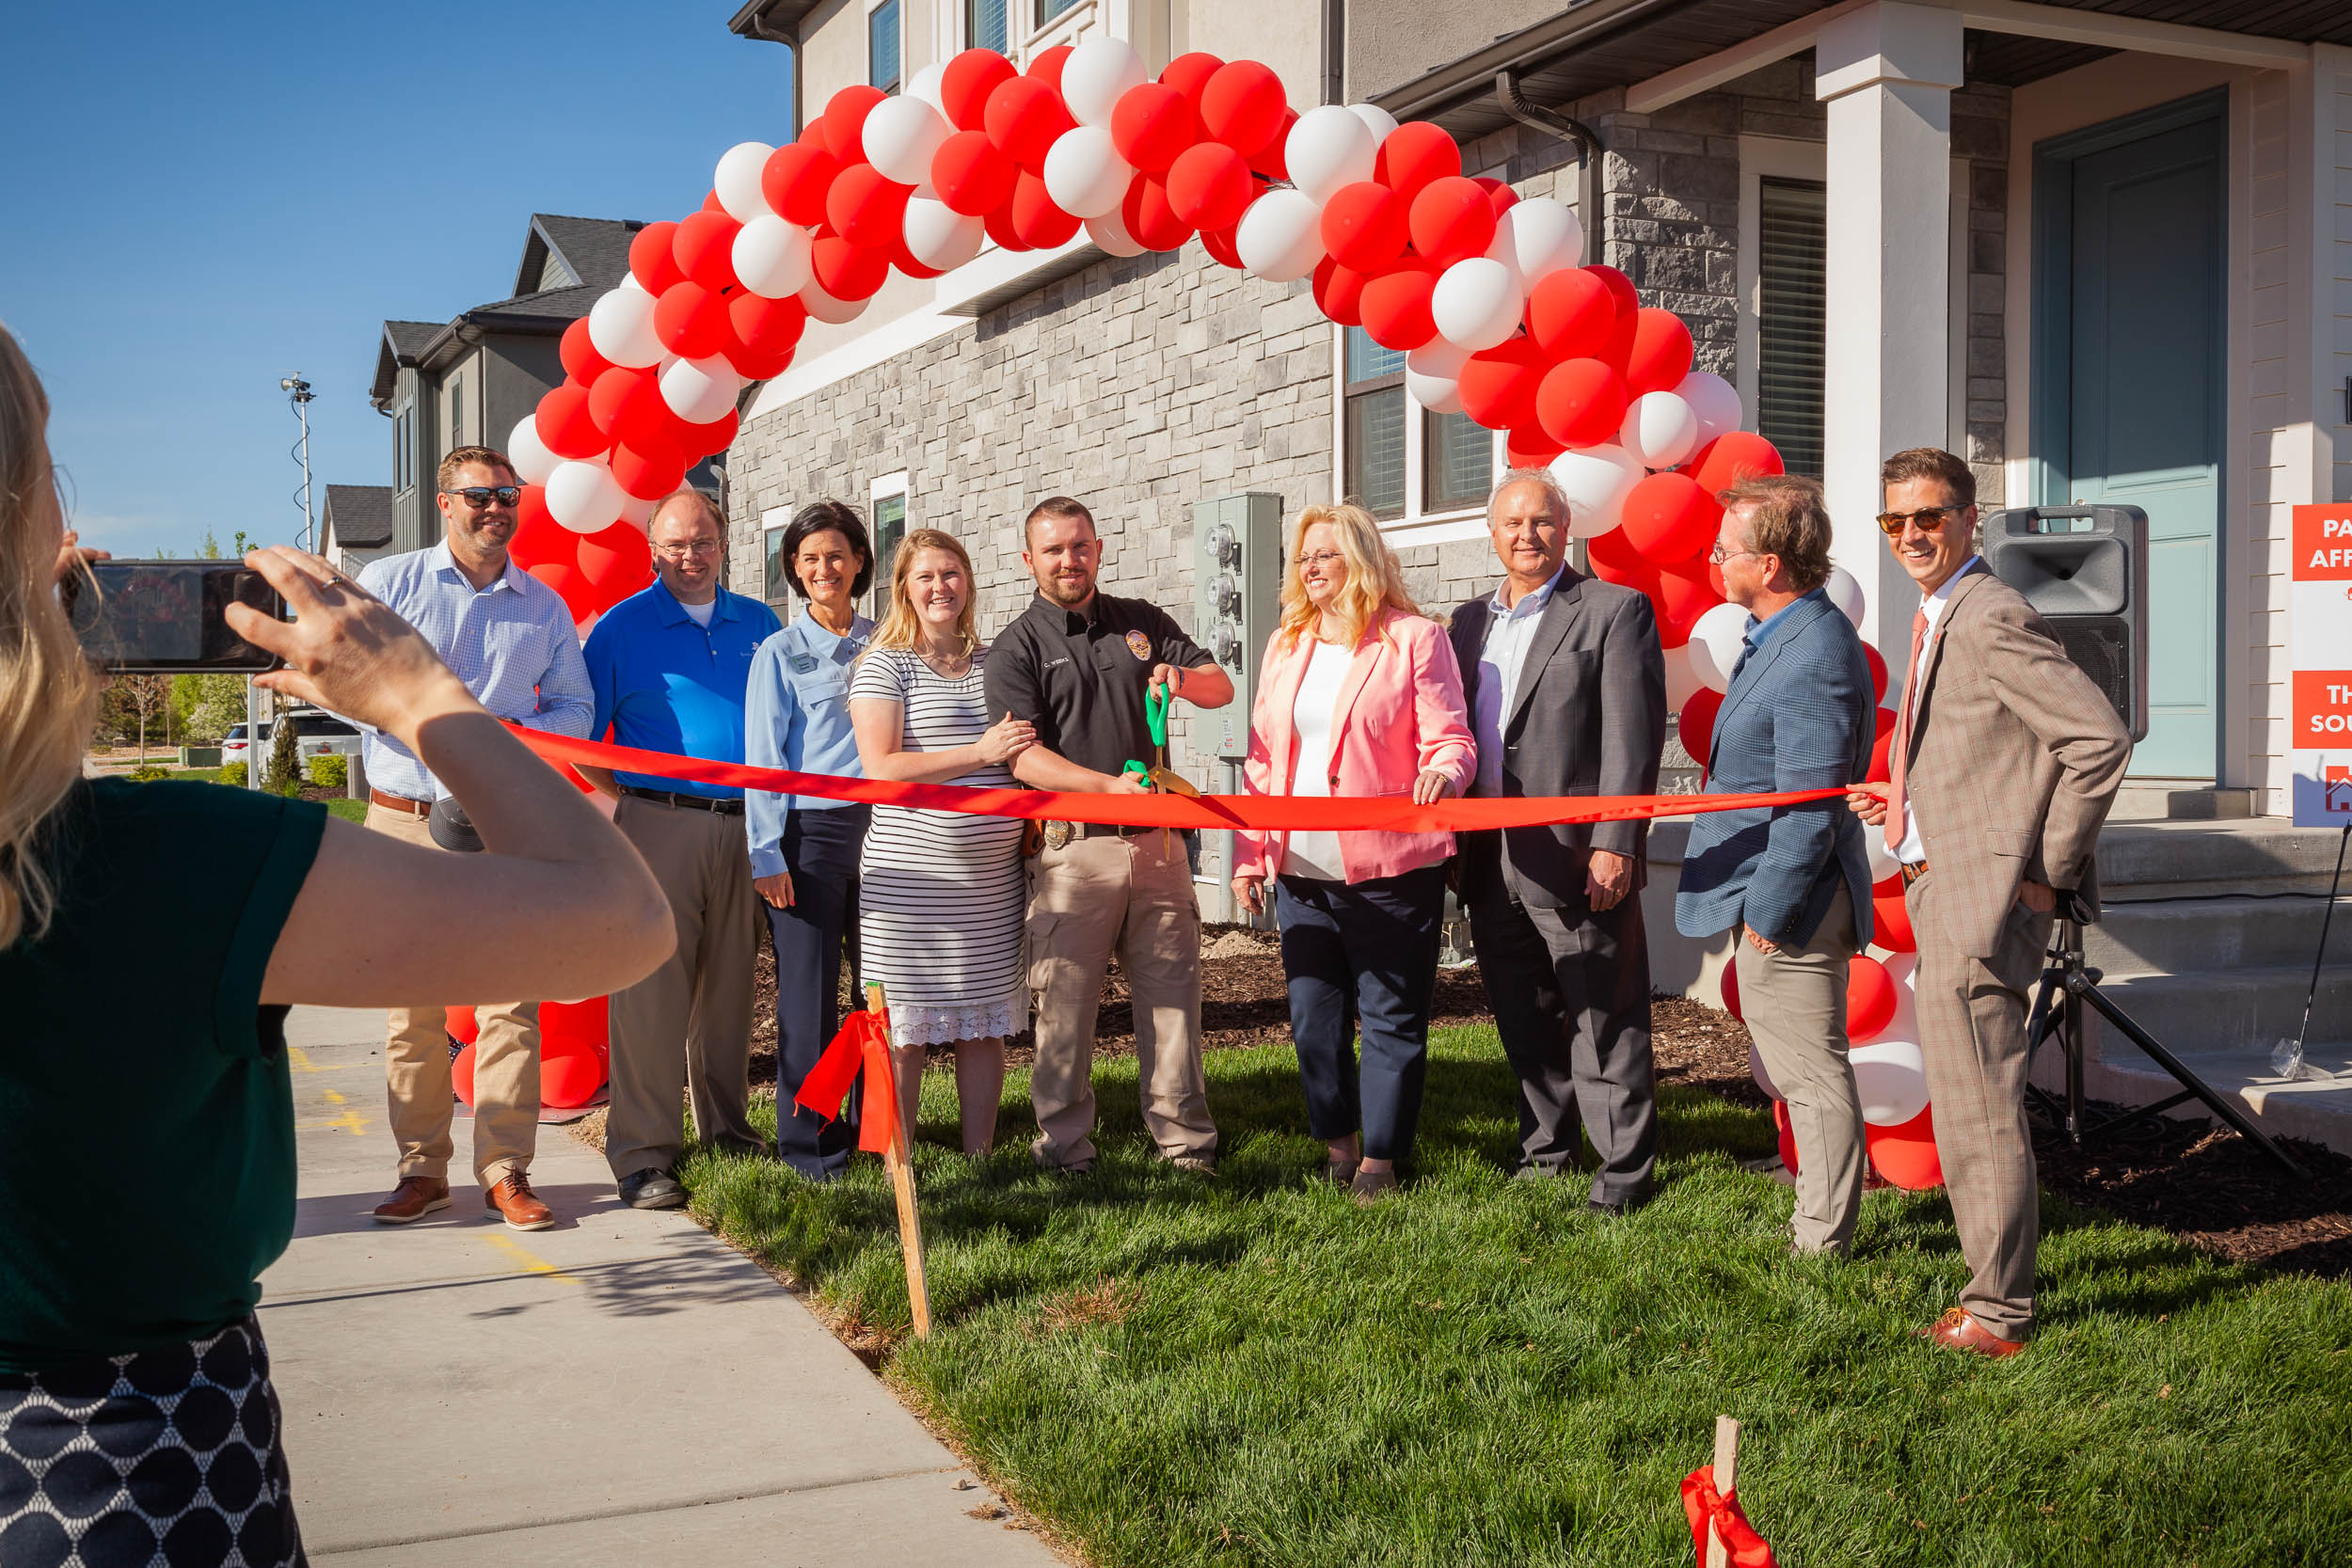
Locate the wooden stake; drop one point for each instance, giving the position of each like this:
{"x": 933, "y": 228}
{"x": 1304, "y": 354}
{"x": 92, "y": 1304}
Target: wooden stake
{"x": 898, "y": 1160}
{"x": 1726, "y": 1477}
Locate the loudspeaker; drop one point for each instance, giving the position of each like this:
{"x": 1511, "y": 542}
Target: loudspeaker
{"x": 2085, "y": 568}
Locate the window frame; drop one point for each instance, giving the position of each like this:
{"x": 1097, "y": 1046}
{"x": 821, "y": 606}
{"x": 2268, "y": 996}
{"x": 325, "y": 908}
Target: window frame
{"x": 453, "y": 393}
{"x": 1416, "y": 523}
{"x": 873, "y": 9}
{"x": 775, "y": 586}
{"x": 405, "y": 448}
{"x": 892, "y": 487}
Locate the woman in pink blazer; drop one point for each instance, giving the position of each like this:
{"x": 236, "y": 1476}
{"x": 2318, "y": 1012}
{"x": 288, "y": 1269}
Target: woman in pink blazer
{"x": 1358, "y": 694}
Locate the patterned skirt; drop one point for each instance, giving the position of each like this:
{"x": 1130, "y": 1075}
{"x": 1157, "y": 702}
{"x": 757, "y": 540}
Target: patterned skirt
{"x": 167, "y": 1457}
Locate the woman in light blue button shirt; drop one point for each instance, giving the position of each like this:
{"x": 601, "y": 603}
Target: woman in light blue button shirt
{"x": 805, "y": 849}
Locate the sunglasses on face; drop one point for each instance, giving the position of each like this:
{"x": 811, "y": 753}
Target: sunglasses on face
{"x": 1927, "y": 519}
{"x": 480, "y": 496}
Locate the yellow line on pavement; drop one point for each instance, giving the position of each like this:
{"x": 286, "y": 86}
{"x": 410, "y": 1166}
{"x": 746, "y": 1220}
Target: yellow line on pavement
{"x": 350, "y": 1122}
{"x": 529, "y": 1262}
{"x": 300, "y": 1060}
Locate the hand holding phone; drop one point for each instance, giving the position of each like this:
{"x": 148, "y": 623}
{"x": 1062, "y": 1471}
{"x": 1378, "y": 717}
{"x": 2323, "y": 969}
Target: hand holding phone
{"x": 164, "y": 617}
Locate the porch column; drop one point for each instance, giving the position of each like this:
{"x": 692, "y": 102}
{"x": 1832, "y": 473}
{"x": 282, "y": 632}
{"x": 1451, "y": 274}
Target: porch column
{"x": 1887, "y": 72}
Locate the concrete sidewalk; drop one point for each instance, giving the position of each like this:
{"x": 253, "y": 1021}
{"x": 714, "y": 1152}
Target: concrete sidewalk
{"x": 623, "y": 1388}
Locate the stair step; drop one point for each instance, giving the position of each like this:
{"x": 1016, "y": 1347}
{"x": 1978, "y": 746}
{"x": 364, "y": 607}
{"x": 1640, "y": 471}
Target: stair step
{"x": 2158, "y": 859}
{"x": 2200, "y": 935}
{"x": 2318, "y": 1108}
{"x": 2218, "y": 1012}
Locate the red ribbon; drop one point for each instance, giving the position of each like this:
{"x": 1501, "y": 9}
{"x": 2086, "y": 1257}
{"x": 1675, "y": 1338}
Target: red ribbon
{"x": 1703, "y": 1506}
{"x": 1267, "y": 812}
{"x": 864, "y": 1042}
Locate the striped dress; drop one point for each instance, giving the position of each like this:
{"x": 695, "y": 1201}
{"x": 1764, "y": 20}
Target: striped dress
{"x": 941, "y": 894}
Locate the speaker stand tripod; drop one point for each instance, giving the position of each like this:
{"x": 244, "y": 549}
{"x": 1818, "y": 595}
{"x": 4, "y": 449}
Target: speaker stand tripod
{"x": 2066, "y": 985}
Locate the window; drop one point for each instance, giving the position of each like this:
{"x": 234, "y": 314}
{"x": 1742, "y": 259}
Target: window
{"x": 1375, "y": 425}
{"x": 457, "y": 412}
{"x": 984, "y": 26}
{"x": 886, "y": 510}
{"x": 1048, "y": 10}
{"x": 881, "y": 46}
{"x": 778, "y": 583}
{"x": 1791, "y": 311}
{"x": 1459, "y": 462}
{"x": 1408, "y": 465}
{"x": 404, "y": 451}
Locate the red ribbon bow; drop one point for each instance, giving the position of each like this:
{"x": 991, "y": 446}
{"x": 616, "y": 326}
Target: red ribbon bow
{"x": 862, "y": 1042}
{"x": 1705, "y": 1506}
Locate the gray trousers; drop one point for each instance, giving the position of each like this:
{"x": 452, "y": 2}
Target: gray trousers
{"x": 1794, "y": 1000}
{"x": 1972, "y": 1033}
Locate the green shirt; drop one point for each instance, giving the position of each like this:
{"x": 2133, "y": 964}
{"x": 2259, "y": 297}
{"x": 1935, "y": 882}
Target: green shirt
{"x": 146, "y": 1111}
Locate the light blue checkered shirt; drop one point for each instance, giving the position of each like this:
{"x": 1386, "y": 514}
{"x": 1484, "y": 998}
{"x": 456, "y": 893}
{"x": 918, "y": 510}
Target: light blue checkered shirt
{"x": 513, "y": 644}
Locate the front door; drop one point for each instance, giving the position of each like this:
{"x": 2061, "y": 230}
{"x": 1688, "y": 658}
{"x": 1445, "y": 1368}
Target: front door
{"x": 2144, "y": 382}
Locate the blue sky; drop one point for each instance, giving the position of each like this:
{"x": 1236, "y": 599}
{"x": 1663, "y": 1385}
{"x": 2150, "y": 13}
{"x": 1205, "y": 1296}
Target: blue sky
{"x": 204, "y": 198}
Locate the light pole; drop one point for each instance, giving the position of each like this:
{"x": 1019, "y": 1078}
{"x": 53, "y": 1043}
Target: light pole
{"x": 299, "y": 393}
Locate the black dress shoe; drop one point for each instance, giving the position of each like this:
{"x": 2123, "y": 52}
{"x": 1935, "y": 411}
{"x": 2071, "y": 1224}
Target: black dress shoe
{"x": 652, "y": 1189}
{"x": 1614, "y": 1210}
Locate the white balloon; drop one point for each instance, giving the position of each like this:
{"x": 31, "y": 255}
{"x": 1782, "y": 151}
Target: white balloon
{"x": 1763, "y": 1078}
{"x": 582, "y": 628}
{"x": 532, "y": 462}
{"x": 736, "y": 181}
{"x": 1714, "y": 647}
{"x": 1376, "y": 119}
{"x": 583, "y": 495}
{"x": 1904, "y": 967}
{"x": 1109, "y": 233}
{"x": 637, "y": 512}
{"x": 1892, "y": 1077}
{"x": 940, "y": 237}
{"x": 1882, "y": 862}
{"x": 1597, "y": 481}
{"x": 771, "y": 256}
{"x": 628, "y": 281}
{"x": 1844, "y": 591}
{"x": 1682, "y": 684}
{"x": 901, "y": 133}
{"x": 1537, "y": 237}
{"x": 1437, "y": 357}
{"x": 620, "y": 325}
{"x": 925, "y": 85}
{"x": 1084, "y": 173}
{"x": 1659, "y": 429}
{"x": 1713, "y": 400}
{"x": 1439, "y": 394}
{"x": 700, "y": 390}
{"x": 824, "y": 308}
{"x": 1477, "y": 303}
{"x": 1328, "y": 149}
{"x": 1095, "y": 76}
{"x": 1280, "y": 236}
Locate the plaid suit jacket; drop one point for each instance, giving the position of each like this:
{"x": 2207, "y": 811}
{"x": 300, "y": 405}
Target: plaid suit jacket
{"x": 2014, "y": 759}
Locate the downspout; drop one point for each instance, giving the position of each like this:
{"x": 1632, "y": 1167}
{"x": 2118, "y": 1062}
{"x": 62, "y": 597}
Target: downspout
{"x": 1553, "y": 123}
{"x": 761, "y": 32}
{"x": 1335, "y": 51}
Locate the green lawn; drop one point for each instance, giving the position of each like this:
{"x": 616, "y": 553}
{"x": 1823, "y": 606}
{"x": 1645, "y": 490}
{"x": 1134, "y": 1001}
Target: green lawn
{"x": 350, "y": 811}
{"x": 1252, "y": 1369}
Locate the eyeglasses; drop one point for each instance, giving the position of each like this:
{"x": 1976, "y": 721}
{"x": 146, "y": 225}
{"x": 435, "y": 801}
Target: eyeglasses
{"x": 1320, "y": 557}
{"x": 480, "y": 496}
{"x": 694, "y": 546}
{"x": 1927, "y": 519}
{"x": 1718, "y": 557}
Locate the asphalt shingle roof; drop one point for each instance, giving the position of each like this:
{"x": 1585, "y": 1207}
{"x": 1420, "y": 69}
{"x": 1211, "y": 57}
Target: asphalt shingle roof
{"x": 359, "y": 515}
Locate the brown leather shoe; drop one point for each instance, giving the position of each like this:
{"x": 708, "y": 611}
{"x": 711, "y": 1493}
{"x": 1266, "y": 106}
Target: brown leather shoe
{"x": 415, "y": 1197}
{"x": 1959, "y": 1329}
{"x": 514, "y": 1199}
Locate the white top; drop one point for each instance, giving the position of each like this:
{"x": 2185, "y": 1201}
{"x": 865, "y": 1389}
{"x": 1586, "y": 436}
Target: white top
{"x": 1509, "y": 629}
{"x": 700, "y": 613}
{"x": 1912, "y": 849}
{"x": 1316, "y": 854}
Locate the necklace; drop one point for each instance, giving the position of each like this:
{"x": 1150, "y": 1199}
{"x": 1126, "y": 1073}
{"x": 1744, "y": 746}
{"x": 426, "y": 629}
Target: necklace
{"x": 946, "y": 666}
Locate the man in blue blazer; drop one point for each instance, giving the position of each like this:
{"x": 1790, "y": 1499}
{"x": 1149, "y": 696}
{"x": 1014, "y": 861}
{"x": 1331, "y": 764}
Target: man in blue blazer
{"x": 1793, "y": 881}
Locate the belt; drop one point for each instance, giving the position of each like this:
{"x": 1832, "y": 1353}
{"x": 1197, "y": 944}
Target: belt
{"x": 689, "y": 802}
{"x": 1913, "y": 871}
{"x": 400, "y": 803}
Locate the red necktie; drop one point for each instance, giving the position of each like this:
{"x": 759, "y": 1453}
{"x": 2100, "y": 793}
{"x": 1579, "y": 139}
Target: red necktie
{"x": 1899, "y": 756}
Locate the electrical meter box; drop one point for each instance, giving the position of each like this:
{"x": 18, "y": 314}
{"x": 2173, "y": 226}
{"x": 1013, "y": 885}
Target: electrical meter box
{"x": 1236, "y": 595}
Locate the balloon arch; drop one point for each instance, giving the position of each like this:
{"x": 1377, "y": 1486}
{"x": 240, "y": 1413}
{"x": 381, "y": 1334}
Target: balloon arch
{"x": 1485, "y": 293}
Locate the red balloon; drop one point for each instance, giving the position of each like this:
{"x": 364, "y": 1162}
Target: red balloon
{"x": 1787, "y": 1131}
{"x": 574, "y": 1050}
{"x": 462, "y": 1026}
{"x": 1272, "y": 161}
{"x": 1571, "y": 313}
{"x": 1339, "y": 292}
{"x": 690, "y": 320}
{"x": 1880, "y": 745}
{"x": 1450, "y": 220}
{"x": 1906, "y": 1155}
{"x": 845, "y": 271}
{"x": 537, "y": 535}
{"x": 1242, "y": 107}
{"x": 1209, "y": 186}
{"x": 617, "y": 562}
{"x": 1660, "y": 354}
{"x": 1500, "y": 196}
{"x": 1629, "y": 302}
{"x": 970, "y": 175}
{"x": 845, "y": 120}
{"x": 1530, "y": 449}
{"x": 1151, "y": 124}
{"x": 866, "y": 208}
{"x": 1045, "y": 66}
{"x": 1415, "y": 154}
{"x": 699, "y": 441}
{"x": 1613, "y": 552}
{"x": 964, "y": 86}
{"x": 1683, "y": 596}
{"x": 1364, "y": 225}
{"x": 711, "y": 202}
{"x": 570, "y": 585}
{"x": 566, "y": 425}
{"x": 762, "y": 333}
{"x": 1869, "y": 997}
{"x": 705, "y": 249}
{"x": 795, "y": 180}
{"x": 570, "y": 1078}
{"x": 998, "y": 221}
{"x": 904, "y": 259}
{"x": 581, "y": 360}
{"x": 1581, "y": 403}
{"x": 649, "y": 477}
{"x": 1189, "y": 74}
{"x": 1025, "y": 116}
{"x": 1890, "y": 920}
{"x": 1668, "y": 517}
{"x": 1150, "y": 221}
{"x": 1731, "y": 971}
{"x": 1222, "y": 244}
{"x": 1878, "y": 672}
{"x": 1734, "y": 456}
{"x": 461, "y": 1066}
{"x": 1696, "y": 728}
{"x": 1497, "y": 384}
{"x": 650, "y": 257}
{"x": 627, "y": 405}
{"x": 1394, "y": 307}
{"x": 1040, "y": 224}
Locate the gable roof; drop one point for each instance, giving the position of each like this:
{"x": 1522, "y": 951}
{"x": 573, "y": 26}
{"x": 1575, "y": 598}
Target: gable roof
{"x": 565, "y": 252}
{"x": 360, "y": 516}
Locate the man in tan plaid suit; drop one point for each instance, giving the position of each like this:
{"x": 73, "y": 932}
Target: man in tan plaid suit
{"x": 2005, "y": 760}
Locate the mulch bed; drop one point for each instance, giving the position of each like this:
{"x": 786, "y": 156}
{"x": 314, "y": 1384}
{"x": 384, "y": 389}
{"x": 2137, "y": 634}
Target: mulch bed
{"x": 2197, "y": 1179}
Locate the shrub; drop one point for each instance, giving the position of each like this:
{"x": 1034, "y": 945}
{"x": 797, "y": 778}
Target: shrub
{"x": 149, "y": 773}
{"x": 329, "y": 771}
{"x": 281, "y": 774}
{"x": 232, "y": 774}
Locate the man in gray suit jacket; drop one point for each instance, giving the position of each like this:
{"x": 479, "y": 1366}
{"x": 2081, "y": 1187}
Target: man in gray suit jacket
{"x": 1792, "y": 882}
{"x": 1566, "y": 691}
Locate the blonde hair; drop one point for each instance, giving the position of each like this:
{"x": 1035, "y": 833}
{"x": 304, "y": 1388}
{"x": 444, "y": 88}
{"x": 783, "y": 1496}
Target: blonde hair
{"x": 1375, "y": 579}
{"x": 899, "y": 627}
{"x": 48, "y": 701}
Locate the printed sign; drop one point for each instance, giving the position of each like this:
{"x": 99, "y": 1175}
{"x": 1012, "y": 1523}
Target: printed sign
{"x": 2319, "y": 676}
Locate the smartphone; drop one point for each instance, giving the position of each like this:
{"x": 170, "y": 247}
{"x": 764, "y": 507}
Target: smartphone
{"x": 159, "y": 617}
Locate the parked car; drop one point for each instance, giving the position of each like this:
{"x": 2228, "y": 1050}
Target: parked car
{"x": 316, "y": 734}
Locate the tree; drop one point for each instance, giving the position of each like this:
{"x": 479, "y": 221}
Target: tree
{"x": 149, "y": 697}
{"x": 284, "y": 773}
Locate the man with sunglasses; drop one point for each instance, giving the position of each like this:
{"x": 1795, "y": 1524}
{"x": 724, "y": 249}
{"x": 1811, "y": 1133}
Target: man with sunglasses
{"x": 511, "y": 640}
{"x": 2005, "y": 760}
{"x": 670, "y": 666}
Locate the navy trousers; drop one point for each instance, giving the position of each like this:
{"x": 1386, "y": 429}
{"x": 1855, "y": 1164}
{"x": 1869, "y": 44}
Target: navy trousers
{"x": 820, "y": 851}
{"x": 1362, "y": 953}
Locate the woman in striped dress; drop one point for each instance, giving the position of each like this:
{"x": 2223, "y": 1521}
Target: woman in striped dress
{"x": 941, "y": 893}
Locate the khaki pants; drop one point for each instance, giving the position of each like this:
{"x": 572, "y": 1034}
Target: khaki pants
{"x": 1132, "y": 897}
{"x": 1794, "y": 1001}
{"x": 416, "y": 1069}
{"x": 1972, "y": 1033}
{"x": 687, "y": 1025}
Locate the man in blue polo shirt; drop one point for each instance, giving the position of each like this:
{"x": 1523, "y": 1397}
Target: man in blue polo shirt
{"x": 669, "y": 666}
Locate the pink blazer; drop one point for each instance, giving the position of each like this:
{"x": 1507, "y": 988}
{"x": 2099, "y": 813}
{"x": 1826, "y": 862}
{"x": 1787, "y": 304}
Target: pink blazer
{"x": 1399, "y": 711}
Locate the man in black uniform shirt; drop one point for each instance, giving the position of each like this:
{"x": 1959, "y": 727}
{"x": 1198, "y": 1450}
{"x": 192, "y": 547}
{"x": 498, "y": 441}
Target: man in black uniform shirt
{"x": 1077, "y": 665}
